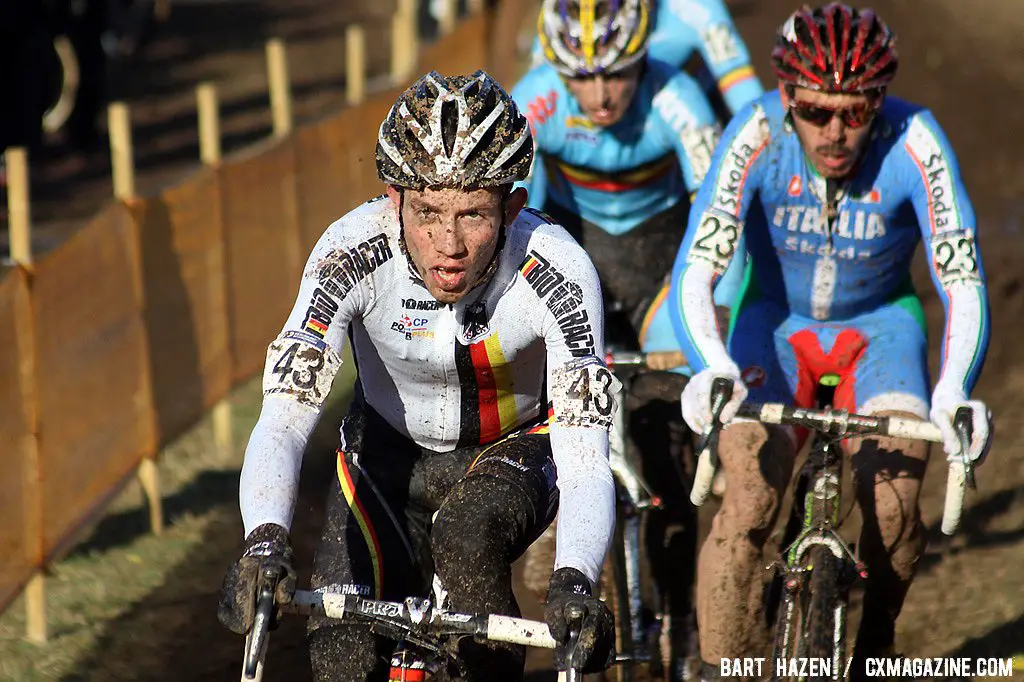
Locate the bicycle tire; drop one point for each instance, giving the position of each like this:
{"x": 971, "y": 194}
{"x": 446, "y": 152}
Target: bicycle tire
{"x": 824, "y": 598}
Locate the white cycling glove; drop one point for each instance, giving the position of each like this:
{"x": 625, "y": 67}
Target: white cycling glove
{"x": 945, "y": 403}
{"x": 696, "y": 398}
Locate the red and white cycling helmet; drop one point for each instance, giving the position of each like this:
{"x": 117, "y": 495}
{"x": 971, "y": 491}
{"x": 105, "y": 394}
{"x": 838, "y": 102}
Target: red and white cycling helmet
{"x": 835, "y": 48}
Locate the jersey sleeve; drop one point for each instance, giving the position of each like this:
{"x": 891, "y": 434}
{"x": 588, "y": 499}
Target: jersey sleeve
{"x": 300, "y": 368}
{"x": 726, "y": 55}
{"x": 686, "y": 118}
{"x": 949, "y": 229}
{"x": 685, "y": 26}
{"x": 583, "y": 395}
{"x": 713, "y": 238}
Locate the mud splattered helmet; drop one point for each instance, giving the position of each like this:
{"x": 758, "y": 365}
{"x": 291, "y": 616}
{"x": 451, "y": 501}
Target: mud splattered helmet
{"x": 588, "y": 37}
{"x": 458, "y": 131}
{"x": 835, "y": 48}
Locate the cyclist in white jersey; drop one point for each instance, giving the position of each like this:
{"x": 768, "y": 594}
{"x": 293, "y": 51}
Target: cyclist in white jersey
{"x": 462, "y": 310}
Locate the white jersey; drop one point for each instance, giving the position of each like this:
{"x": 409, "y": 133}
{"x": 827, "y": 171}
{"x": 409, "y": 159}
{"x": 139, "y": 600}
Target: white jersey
{"x": 446, "y": 376}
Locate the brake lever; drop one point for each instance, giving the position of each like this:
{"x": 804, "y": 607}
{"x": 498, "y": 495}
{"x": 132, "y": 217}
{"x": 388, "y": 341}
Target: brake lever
{"x": 721, "y": 392}
{"x": 261, "y": 622}
{"x": 574, "y": 614}
{"x": 963, "y": 422}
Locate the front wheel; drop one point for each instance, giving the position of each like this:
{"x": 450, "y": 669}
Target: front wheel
{"x": 826, "y": 626}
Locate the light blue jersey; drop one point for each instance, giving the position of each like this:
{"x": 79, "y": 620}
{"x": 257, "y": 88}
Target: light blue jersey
{"x": 684, "y": 28}
{"x": 808, "y": 274}
{"x": 619, "y": 176}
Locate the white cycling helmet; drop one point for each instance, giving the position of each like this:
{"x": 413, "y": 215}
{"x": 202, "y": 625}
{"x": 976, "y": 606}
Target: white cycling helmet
{"x": 460, "y": 131}
{"x": 589, "y": 37}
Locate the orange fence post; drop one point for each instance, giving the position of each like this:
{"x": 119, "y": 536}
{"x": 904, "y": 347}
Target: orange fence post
{"x": 404, "y": 42}
{"x": 449, "y": 16}
{"x": 355, "y": 64}
{"x": 20, "y": 226}
{"x": 208, "y": 109}
{"x": 121, "y": 156}
{"x": 19, "y": 208}
{"x": 210, "y": 155}
{"x": 280, "y": 90}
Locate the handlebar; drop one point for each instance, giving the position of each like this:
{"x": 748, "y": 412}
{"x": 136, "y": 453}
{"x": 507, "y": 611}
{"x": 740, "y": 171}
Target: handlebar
{"x": 840, "y": 424}
{"x": 657, "y": 360}
{"x": 415, "y": 620}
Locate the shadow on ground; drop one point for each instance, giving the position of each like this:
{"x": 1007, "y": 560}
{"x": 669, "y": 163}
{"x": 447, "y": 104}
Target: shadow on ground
{"x": 173, "y": 634}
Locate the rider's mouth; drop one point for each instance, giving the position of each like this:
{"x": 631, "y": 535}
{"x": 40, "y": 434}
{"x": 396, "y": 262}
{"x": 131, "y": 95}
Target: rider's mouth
{"x": 448, "y": 278}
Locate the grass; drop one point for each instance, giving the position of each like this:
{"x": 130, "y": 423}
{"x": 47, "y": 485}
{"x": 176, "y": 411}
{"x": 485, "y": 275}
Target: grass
{"x": 119, "y": 568}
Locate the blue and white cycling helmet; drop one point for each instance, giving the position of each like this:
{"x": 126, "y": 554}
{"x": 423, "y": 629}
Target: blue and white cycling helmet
{"x": 583, "y": 38}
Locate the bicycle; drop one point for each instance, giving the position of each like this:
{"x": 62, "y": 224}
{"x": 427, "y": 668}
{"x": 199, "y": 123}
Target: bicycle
{"x": 644, "y": 624}
{"x": 817, "y": 568}
{"x": 427, "y": 635}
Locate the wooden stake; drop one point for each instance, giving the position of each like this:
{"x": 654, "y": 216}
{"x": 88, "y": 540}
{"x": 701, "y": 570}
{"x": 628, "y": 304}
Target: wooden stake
{"x": 35, "y": 608}
{"x": 280, "y": 90}
{"x": 19, "y": 206}
{"x": 403, "y": 42}
{"x": 450, "y": 16}
{"x": 121, "y": 157}
{"x": 222, "y": 428}
{"x": 209, "y": 124}
{"x": 355, "y": 64}
{"x": 150, "y": 480}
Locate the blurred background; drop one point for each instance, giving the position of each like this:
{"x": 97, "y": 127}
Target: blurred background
{"x": 151, "y": 253}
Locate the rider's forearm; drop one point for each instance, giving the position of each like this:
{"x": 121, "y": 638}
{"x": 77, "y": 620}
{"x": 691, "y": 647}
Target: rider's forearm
{"x": 586, "y": 508}
{"x": 966, "y": 337}
{"x": 269, "y": 483}
{"x": 696, "y": 323}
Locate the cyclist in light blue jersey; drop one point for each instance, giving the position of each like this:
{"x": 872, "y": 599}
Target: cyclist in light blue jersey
{"x": 623, "y": 139}
{"x": 700, "y": 37}
{"x": 832, "y": 185}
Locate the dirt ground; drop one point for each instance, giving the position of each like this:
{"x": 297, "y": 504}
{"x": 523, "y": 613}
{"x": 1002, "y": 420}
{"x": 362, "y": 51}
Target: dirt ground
{"x": 961, "y": 59}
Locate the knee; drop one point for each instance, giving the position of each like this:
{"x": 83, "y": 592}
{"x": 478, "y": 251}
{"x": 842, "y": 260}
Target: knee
{"x": 749, "y": 507}
{"x": 477, "y": 523}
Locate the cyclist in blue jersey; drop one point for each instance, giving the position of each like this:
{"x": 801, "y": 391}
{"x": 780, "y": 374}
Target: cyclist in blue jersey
{"x": 700, "y": 37}
{"x": 831, "y": 185}
{"x": 623, "y": 139}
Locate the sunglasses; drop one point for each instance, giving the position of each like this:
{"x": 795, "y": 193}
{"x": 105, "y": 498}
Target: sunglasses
{"x": 856, "y": 116}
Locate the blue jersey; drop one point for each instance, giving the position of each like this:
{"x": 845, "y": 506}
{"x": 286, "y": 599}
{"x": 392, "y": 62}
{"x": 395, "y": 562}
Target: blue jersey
{"x": 619, "y": 176}
{"x": 684, "y": 28}
{"x": 762, "y": 188}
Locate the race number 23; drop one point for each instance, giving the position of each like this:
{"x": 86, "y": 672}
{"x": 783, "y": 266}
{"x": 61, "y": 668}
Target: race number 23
{"x": 956, "y": 257}
{"x": 716, "y": 240}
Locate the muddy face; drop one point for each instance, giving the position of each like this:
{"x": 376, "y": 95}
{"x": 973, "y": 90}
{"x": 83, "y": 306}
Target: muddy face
{"x": 605, "y": 98}
{"x": 833, "y": 128}
{"x": 451, "y": 234}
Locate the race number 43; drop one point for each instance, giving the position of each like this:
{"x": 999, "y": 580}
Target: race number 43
{"x": 715, "y": 240}
{"x": 584, "y": 394}
{"x": 300, "y": 367}
{"x": 955, "y": 257}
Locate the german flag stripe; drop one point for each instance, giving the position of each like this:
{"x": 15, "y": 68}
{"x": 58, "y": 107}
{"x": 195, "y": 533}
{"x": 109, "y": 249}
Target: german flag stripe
{"x": 469, "y": 405}
{"x": 529, "y": 265}
{"x": 348, "y": 488}
{"x": 507, "y": 411}
{"x": 735, "y": 76}
{"x": 488, "y": 400}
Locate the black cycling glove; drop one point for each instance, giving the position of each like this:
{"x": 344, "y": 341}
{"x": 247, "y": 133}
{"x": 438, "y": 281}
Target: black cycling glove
{"x": 266, "y": 547}
{"x": 596, "y": 647}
